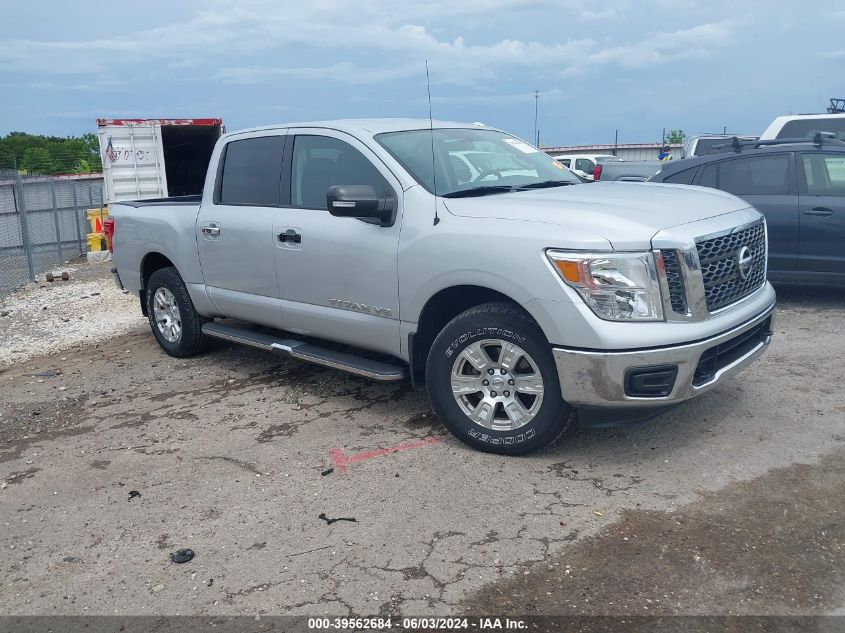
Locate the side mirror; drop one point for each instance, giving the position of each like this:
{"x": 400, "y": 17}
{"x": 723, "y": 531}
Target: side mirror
{"x": 359, "y": 201}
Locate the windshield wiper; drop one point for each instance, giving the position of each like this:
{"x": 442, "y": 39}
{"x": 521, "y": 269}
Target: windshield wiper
{"x": 479, "y": 191}
{"x": 545, "y": 184}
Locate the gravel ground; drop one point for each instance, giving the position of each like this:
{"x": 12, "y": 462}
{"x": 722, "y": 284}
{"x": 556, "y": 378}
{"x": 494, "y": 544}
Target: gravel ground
{"x": 43, "y": 318}
{"x": 730, "y": 504}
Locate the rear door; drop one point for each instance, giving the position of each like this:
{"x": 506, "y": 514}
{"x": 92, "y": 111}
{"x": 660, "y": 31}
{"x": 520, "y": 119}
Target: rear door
{"x": 338, "y": 276}
{"x": 235, "y": 230}
{"x": 822, "y": 212}
{"x": 767, "y": 183}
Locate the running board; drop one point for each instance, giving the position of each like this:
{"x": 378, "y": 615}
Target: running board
{"x": 368, "y": 368}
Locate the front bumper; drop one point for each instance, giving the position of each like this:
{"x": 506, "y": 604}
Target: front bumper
{"x": 598, "y": 379}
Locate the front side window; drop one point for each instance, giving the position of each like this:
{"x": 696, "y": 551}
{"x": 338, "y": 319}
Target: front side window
{"x": 252, "y": 172}
{"x": 758, "y": 175}
{"x": 824, "y": 174}
{"x": 320, "y": 162}
{"x": 469, "y": 161}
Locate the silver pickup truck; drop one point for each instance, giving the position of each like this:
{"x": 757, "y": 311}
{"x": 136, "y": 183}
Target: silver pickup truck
{"x": 462, "y": 259}
{"x": 626, "y": 170}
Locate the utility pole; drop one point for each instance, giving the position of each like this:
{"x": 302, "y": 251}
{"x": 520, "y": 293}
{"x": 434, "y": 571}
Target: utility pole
{"x": 664, "y": 137}
{"x": 616, "y": 142}
{"x": 536, "y": 113}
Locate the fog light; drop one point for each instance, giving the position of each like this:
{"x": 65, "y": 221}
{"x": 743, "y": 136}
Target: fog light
{"x": 656, "y": 381}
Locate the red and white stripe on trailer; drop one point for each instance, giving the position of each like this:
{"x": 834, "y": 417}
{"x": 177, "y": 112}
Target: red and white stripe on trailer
{"x": 102, "y": 122}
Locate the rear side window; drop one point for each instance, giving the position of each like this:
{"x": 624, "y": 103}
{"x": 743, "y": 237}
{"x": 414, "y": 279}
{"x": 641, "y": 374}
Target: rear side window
{"x": 682, "y": 177}
{"x": 824, "y": 174}
{"x": 584, "y": 165}
{"x": 705, "y": 145}
{"x": 807, "y": 128}
{"x": 760, "y": 175}
{"x": 252, "y": 172}
{"x": 709, "y": 176}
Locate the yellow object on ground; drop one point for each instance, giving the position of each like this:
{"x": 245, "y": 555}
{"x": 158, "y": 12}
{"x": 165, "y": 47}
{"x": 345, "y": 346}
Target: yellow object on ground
{"x": 96, "y": 217}
{"x": 95, "y": 242}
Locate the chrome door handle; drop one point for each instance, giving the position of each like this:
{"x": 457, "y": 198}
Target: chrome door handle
{"x": 820, "y": 211}
{"x": 212, "y": 231}
{"x": 290, "y": 236}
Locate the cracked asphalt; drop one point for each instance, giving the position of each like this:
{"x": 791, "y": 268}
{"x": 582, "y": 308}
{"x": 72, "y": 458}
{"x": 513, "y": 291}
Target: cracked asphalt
{"x": 730, "y": 504}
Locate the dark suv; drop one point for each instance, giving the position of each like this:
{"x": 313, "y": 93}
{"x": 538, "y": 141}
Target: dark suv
{"x": 798, "y": 184}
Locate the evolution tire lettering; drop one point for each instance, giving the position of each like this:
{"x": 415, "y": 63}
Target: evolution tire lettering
{"x": 482, "y": 332}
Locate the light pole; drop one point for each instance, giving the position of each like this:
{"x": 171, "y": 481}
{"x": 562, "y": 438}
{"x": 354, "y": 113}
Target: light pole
{"x": 536, "y": 112}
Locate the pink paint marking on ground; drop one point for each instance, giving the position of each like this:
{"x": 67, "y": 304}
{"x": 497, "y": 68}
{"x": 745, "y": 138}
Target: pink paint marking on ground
{"x": 342, "y": 460}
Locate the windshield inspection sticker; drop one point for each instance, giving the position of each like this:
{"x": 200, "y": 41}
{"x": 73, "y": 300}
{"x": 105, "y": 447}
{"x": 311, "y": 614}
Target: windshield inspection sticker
{"x": 523, "y": 147}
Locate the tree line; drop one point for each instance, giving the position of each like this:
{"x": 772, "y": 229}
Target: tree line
{"x": 38, "y": 154}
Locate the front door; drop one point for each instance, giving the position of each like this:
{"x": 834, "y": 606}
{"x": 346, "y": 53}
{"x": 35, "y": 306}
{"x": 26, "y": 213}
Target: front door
{"x": 822, "y": 212}
{"x": 584, "y": 167}
{"x": 235, "y": 230}
{"x": 338, "y": 276}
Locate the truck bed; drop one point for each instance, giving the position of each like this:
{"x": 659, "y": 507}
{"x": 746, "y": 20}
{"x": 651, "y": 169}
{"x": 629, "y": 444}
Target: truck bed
{"x": 155, "y": 202}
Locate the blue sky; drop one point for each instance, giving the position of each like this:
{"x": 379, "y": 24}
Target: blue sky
{"x": 601, "y": 65}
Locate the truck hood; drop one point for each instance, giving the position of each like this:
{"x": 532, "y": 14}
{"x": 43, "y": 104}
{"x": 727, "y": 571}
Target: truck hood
{"x": 627, "y": 214}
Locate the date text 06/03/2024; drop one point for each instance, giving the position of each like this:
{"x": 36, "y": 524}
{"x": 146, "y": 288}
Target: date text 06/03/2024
{"x": 411, "y": 623}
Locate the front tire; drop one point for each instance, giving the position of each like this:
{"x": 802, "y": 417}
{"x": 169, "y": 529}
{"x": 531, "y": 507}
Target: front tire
{"x": 174, "y": 321}
{"x": 492, "y": 380}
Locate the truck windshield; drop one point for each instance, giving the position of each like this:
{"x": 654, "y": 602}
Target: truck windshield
{"x": 473, "y": 162}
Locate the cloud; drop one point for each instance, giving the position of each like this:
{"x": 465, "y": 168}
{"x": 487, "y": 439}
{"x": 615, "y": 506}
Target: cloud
{"x": 834, "y": 55}
{"x": 344, "y": 72}
{"x": 401, "y": 36}
{"x": 555, "y": 95}
{"x": 694, "y": 43}
{"x": 597, "y": 15}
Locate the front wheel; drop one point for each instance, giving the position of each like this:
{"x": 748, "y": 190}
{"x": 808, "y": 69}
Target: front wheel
{"x": 492, "y": 380}
{"x": 174, "y": 321}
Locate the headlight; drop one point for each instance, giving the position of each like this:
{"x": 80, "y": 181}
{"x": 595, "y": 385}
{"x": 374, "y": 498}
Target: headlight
{"x": 616, "y": 286}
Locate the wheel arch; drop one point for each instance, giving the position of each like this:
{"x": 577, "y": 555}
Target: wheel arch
{"x": 152, "y": 262}
{"x": 442, "y": 307}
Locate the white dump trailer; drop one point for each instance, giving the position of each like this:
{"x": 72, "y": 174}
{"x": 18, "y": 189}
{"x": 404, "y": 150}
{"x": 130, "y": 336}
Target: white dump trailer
{"x": 155, "y": 158}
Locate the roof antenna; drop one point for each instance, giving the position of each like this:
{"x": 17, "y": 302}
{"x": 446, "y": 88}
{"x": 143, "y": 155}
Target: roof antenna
{"x": 431, "y": 129}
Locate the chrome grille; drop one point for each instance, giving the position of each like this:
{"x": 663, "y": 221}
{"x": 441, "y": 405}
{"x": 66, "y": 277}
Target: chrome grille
{"x": 675, "y": 281}
{"x": 718, "y": 256}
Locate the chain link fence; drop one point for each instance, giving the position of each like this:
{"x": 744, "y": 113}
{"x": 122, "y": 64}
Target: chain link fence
{"x": 42, "y": 223}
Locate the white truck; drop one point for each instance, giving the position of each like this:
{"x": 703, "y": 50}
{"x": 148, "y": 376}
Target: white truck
{"x": 805, "y": 126}
{"x": 155, "y": 158}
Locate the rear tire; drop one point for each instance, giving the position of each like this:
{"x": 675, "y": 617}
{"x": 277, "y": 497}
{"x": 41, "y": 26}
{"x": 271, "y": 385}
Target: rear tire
{"x": 174, "y": 321}
{"x": 493, "y": 382}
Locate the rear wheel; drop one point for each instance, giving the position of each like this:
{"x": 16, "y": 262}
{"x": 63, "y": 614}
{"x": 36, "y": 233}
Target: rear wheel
{"x": 175, "y": 323}
{"x": 492, "y": 380}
